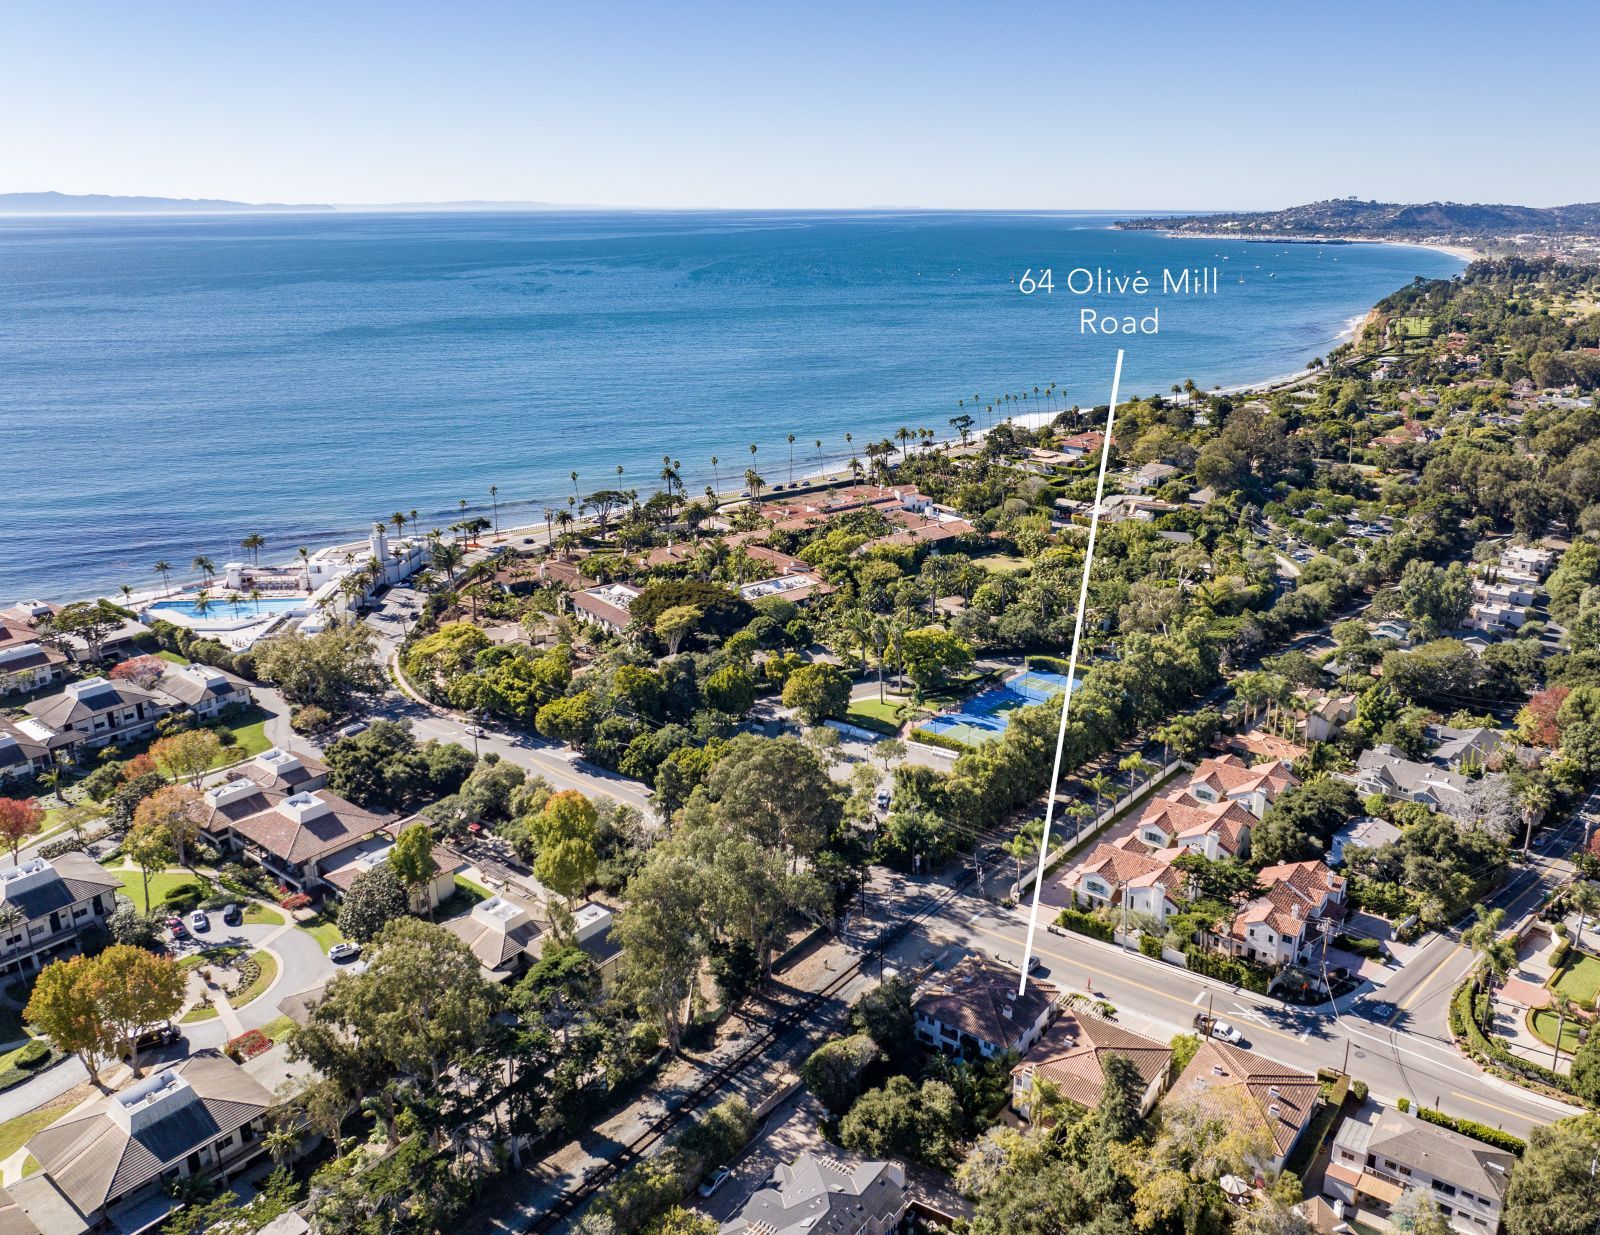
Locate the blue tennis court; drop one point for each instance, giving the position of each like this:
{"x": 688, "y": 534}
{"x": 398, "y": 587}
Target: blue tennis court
{"x": 984, "y": 717}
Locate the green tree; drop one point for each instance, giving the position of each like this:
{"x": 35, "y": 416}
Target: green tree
{"x": 329, "y": 669}
{"x": 663, "y": 944}
{"x": 411, "y": 858}
{"x": 673, "y": 625}
{"x": 902, "y": 1121}
{"x": 150, "y": 849}
{"x": 1554, "y": 1189}
{"x": 817, "y": 692}
{"x": 834, "y": 1071}
{"x": 376, "y": 897}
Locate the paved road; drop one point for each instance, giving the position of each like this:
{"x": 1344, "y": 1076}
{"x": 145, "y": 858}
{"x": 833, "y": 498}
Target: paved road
{"x": 1406, "y": 1058}
{"x": 397, "y": 611}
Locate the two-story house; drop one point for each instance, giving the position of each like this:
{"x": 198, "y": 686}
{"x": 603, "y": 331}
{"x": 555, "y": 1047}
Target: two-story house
{"x": 106, "y": 1165}
{"x": 27, "y": 663}
{"x": 203, "y": 689}
{"x": 975, "y": 1009}
{"x": 826, "y": 1194}
{"x": 1228, "y": 778}
{"x": 1219, "y": 828}
{"x": 1228, "y": 1084}
{"x": 1283, "y": 925}
{"x": 49, "y": 905}
{"x": 1123, "y": 872}
{"x": 102, "y": 711}
{"x": 1385, "y": 769}
{"x": 1379, "y": 1155}
{"x": 28, "y": 748}
{"x": 293, "y": 835}
{"x": 1072, "y": 1056}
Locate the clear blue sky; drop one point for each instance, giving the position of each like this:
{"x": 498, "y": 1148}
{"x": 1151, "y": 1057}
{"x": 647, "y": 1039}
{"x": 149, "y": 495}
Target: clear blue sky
{"x": 810, "y": 104}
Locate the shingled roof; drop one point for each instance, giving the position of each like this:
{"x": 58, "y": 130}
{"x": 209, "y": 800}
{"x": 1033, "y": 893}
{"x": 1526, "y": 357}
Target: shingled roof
{"x": 1072, "y": 1055}
{"x": 1282, "y": 1098}
{"x": 979, "y": 998}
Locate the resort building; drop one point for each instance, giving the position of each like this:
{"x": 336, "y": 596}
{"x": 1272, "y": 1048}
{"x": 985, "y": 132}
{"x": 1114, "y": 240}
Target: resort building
{"x": 1380, "y": 1155}
{"x": 107, "y": 1165}
{"x": 33, "y": 616}
{"x": 27, "y": 663}
{"x": 797, "y": 588}
{"x": 1320, "y": 715}
{"x": 293, "y": 836}
{"x": 202, "y": 689}
{"x": 28, "y": 747}
{"x": 503, "y": 932}
{"x": 591, "y": 927}
{"x": 974, "y": 1009}
{"x": 1072, "y": 1056}
{"x": 1463, "y": 750}
{"x": 343, "y": 868}
{"x": 282, "y": 772}
{"x": 102, "y": 711}
{"x": 832, "y": 1194}
{"x": 605, "y": 606}
{"x": 1230, "y": 1083}
{"x": 56, "y": 901}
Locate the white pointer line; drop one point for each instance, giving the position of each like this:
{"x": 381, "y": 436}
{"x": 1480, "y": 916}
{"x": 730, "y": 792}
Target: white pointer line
{"x": 1072, "y": 673}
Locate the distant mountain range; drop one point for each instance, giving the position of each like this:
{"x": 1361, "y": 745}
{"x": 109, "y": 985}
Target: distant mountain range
{"x": 1356, "y": 219}
{"x": 102, "y": 203}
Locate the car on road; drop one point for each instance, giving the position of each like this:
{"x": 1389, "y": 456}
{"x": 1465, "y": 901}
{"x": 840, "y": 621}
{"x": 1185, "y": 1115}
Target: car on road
{"x": 713, "y": 1182}
{"x": 232, "y": 915}
{"x": 477, "y": 731}
{"x": 1034, "y": 964}
{"x": 1221, "y": 1030}
{"x": 341, "y": 952}
{"x": 883, "y": 799}
{"x": 199, "y": 920}
{"x": 175, "y": 925}
{"x": 350, "y": 730}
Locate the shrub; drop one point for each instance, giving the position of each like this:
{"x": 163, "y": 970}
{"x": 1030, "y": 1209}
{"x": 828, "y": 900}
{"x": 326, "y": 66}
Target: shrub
{"x": 1359, "y": 1090}
{"x": 294, "y": 900}
{"x": 930, "y": 738}
{"x": 1048, "y": 664}
{"x": 1150, "y": 945}
{"x": 1087, "y": 924}
{"x": 32, "y": 1056}
{"x": 1474, "y": 1129}
{"x": 1404, "y": 1104}
{"x": 70, "y": 844}
{"x": 185, "y": 896}
{"x": 247, "y": 1045}
{"x": 1227, "y": 969}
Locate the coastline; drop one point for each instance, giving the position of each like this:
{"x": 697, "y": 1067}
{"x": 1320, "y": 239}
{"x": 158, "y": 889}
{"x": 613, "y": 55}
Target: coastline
{"x": 1461, "y": 252}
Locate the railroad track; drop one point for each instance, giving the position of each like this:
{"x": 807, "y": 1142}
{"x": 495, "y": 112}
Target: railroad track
{"x": 573, "y": 1198}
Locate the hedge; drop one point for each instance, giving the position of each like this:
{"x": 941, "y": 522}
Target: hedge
{"x": 930, "y": 738}
{"x": 1086, "y": 924}
{"x": 1474, "y": 1129}
{"x": 1150, "y": 945}
{"x": 1227, "y": 969}
{"x": 1493, "y": 1055}
{"x": 1048, "y": 664}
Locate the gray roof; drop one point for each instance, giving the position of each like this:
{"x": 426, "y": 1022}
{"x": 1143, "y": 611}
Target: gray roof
{"x": 90, "y": 1157}
{"x": 62, "y": 709}
{"x": 194, "y": 684}
{"x": 1387, "y": 769}
{"x": 74, "y": 877}
{"x": 824, "y": 1195}
{"x": 1440, "y": 1152}
{"x": 1454, "y": 745}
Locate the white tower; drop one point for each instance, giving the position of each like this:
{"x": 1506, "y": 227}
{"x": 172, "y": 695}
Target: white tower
{"x": 379, "y": 544}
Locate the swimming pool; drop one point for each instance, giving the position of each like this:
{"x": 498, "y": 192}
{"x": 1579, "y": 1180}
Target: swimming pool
{"x": 220, "y": 611}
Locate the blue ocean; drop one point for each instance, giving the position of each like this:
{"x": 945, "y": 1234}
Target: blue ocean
{"x": 170, "y": 385}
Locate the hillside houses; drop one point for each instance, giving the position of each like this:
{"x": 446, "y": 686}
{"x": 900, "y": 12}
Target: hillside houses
{"x": 1281, "y": 926}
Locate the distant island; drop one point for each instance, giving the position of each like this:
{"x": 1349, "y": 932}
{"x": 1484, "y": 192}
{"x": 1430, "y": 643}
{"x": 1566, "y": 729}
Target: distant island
{"x": 1349, "y": 218}
{"x": 104, "y": 203}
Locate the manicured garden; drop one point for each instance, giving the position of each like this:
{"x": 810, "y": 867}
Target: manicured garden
{"x": 1579, "y": 979}
{"x": 1543, "y": 1022}
{"x": 875, "y": 717}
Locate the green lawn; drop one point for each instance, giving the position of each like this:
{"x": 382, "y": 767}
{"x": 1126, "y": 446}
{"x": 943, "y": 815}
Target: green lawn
{"x": 15, "y": 1133}
{"x": 1579, "y": 979}
{"x": 324, "y": 930}
{"x": 1543, "y": 1022}
{"x": 1415, "y": 327}
{"x": 250, "y": 740}
{"x": 261, "y": 915}
{"x": 877, "y": 717}
{"x": 269, "y": 975}
{"x": 171, "y": 656}
{"x": 161, "y": 882}
{"x": 278, "y": 1027}
{"x": 1002, "y": 563}
{"x": 200, "y": 1012}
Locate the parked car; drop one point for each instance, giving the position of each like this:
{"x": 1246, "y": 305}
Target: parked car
{"x": 164, "y": 1034}
{"x": 353, "y": 728}
{"x": 232, "y": 915}
{"x": 477, "y": 731}
{"x": 713, "y": 1182}
{"x": 175, "y": 925}
{"x": 199, "y": 920}
{"x": 1221, "y": 1030}
{"x": 341, "y": 952}
{"x": 883, "y": 799}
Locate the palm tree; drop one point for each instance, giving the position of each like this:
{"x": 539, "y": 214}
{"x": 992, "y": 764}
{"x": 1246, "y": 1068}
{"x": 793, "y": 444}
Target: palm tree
{"x": 1563, "y": 1006}
{"x": 791, "y": 458}
{"x": 206, "y": 567}
{"x": 494, "y": 498}
{"x": 1586, "y": 897}
{"x": 282, "y": 1141}
{"x": 255, "y": 598}
{"x": 254, "y": 543}
{"x": 127, "y": 592}
{"x": 202, "y": 602}
{"x": 162, "y": 568}
{"x": 753, "y": 482}
{"x": 399, "y": 521}
{"x": 1496, "y": 955}
{"x": 305, "y": 562}
{"x": 716, "y": 481}
{"x": 574, "y": 476}
{"x": 1100, "y": 784}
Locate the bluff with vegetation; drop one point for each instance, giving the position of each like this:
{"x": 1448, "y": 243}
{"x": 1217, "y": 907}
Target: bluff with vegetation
{"x": 1350, "y": 217}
